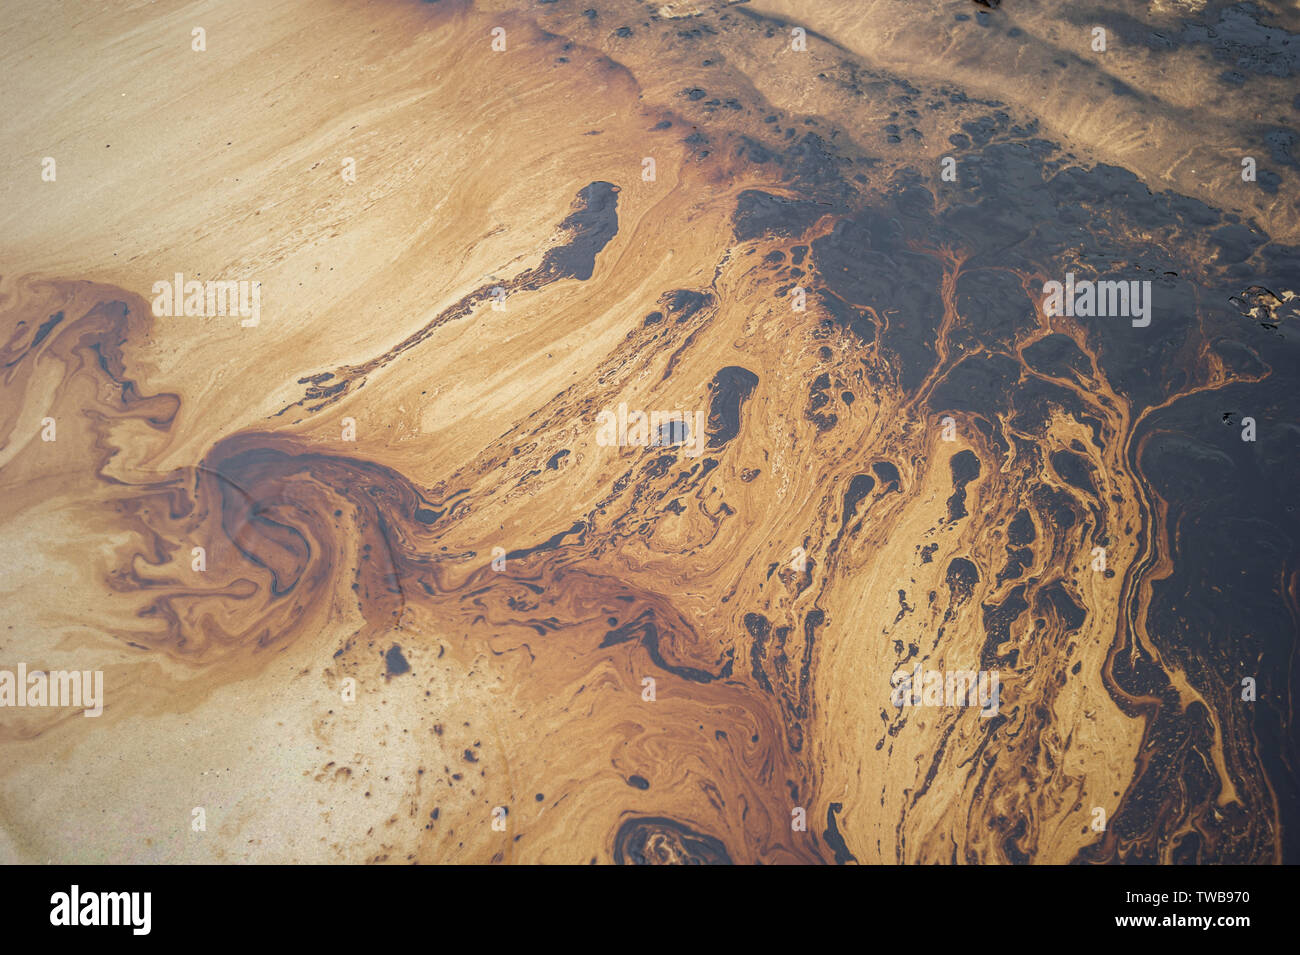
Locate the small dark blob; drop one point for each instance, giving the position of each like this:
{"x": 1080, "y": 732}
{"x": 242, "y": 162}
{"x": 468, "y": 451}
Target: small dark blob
{"x": 672, "y": 433}
{"x": 962, "y": 578}
{"x": 45, "y": 328}
{"x": 1072, "y": 616}
{"x": 589, "y": 227}
{"x": 683, "y": 303}
{"x": 395, "y": 662}
{"x": 623, "y": 32}
{"x": 1074, "y": 470}
{"x": 887, "y": 473}
{"x": 859, "y": 488}
{"x": 640, "y": 782}
{"x": 833, "y": 838}
{"x": 1021, "y": 531}
{"x": 965, "y": 468}
{"x": 661, "y": 841}
{"x": 730, "y": 388}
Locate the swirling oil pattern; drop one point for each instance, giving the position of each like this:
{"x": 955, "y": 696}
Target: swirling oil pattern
{"x": 647, "y": 400}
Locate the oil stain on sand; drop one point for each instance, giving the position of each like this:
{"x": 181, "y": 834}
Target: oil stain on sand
{"x": 434, "y": 619}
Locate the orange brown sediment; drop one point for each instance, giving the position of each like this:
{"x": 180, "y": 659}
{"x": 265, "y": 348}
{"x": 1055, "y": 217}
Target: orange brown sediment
{"x": 366, "y": 587}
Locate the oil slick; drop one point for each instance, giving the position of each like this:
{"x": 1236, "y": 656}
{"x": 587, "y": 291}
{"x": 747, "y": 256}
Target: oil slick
{"x": 950, "y": 559}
